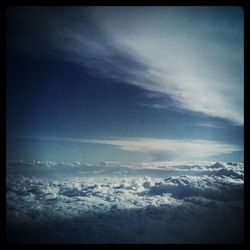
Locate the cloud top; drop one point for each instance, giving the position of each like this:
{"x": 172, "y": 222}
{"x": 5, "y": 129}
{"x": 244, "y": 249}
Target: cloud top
{"x": 173, "y": 208}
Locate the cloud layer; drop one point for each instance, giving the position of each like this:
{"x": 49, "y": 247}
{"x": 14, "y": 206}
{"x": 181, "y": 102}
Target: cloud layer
{"x": 193, "y": 55}
{"x": 174, "y": 149}
{"x": 190, "y": 208}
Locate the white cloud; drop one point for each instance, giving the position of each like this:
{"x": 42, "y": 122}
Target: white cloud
{"x": 175, "y": 149}
{"x": 179, "y": 149}
{"x": 184, "y": 57}
{"x": 209, "y": 125}
{"x": 138, "y": 208}
{"x": 158, "y": 169}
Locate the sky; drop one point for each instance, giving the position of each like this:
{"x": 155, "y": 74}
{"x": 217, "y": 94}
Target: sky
{"x": 125, "y": 84}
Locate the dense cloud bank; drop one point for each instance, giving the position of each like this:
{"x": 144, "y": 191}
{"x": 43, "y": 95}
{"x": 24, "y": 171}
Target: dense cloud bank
{"x": 109, "y": 203}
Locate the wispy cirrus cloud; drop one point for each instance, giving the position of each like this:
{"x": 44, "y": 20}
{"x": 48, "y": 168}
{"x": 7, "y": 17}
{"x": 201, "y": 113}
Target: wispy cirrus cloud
{"x": 192, "y": 55}
{"x": 181, "y": 149}
{"x": 209, "y": 125}
{"x": 195, "y": 58}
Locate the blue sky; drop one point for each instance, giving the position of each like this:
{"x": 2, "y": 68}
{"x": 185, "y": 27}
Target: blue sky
{"x": 128, "y": 84}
